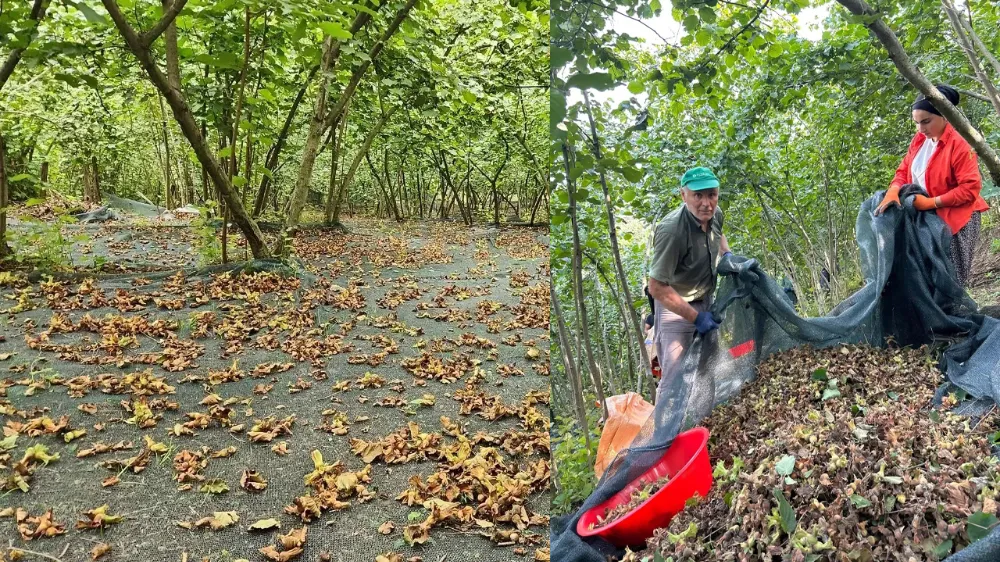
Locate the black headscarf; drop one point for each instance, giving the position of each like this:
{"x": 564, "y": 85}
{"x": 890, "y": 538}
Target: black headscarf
{"x": 951, "y": 94}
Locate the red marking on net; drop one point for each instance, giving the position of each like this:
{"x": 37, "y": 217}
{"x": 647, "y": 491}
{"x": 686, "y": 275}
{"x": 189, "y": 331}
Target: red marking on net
{"x": 742, "y": 349}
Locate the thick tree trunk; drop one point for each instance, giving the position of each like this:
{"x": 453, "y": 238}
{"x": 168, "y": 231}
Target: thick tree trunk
{"x": 319, "y": 125}
{"x": 170, "y": 42}
{"x": 91, "y": 181}
{"x": 881, "y": 32}
{"x": 14, "y": 57}
{"x": 139, "y": 45}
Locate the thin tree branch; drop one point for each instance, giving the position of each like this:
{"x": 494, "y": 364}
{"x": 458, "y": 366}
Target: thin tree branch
{"x": 168, "y": 17}
{"x": 624, "y": 15}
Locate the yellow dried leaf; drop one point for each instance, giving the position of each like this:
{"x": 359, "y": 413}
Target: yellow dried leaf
{"x": 265, "y": 525}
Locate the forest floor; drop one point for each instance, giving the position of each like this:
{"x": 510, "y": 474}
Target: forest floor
{"x": 387, "y": 401}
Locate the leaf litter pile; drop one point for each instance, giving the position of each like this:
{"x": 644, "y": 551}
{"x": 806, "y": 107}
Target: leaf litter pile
{"x": 836, "y": 454}
{"x": 387, "y": 403}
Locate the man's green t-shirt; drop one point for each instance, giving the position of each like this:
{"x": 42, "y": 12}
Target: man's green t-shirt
{"x": 685, "y": 256}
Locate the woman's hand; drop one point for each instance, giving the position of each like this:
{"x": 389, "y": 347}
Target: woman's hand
{"x": 891, "y": 198}
{"x": 922, "y": 203}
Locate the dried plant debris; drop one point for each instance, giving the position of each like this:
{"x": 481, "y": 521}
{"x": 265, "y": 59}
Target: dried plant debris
{"x": 836, "y": 454}
{"x": 643, "y": 492}
{"x": 181, "y": 382}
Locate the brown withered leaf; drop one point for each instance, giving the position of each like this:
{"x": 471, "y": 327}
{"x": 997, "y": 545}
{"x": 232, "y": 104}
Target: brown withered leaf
{"x": 252, "y": 481}
{"x": 37, "y": 527}
{"x": 98, "y": 518}
{"x": 218, "y": 520}
{"x": 99, "y": 550}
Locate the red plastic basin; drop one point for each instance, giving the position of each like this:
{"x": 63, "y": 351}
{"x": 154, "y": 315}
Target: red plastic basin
{"x": 686, "y": 464}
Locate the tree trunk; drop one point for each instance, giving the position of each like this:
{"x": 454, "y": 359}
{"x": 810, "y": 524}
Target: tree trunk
{"x": 420, "y": 193}
{"x": 91, "y": 181}
{"x": 619, "y": 268}
{"x": 881, "y": 32}
{"x": 962, "y": 34}
{"x": 274, "y": 153}
{"x": 166, "y": 160}
{"x": 581, "y": 304}
{"x": 571, "y": 374}
{"x": 188, "y": 180}
{"x": 332, "y": 186}
{"x": 390, "y": 205}
{"x": 333, "y": 189}
{"x": 37, "y": 13}
{"x": 239, "y": 97}
{"x": 170, "y": 41}
{"x": 204, "y": 171}
{"x": 605, "y": 331}
{"x": 4, "y": 197}
{"x": 319, "y": 125}
{"x": 311, "y": 149}
{"x": 140, "y": 47}
{"x": 365, "y": 146}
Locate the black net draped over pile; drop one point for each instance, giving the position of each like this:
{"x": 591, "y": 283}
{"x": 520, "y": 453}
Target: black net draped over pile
{"x": 910, "y": 295}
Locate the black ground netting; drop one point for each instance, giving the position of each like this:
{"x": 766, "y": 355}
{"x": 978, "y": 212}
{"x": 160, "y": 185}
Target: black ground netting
{"x": 910, "y": 294}
{"x": 475, "y": 268}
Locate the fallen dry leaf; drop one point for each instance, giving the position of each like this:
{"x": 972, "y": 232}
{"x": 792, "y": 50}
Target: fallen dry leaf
{"x": 98, "y": 518}
{"x": 99, "y": 550}
{"x": 265, "y": 525}
{"x": 252, "y": 481}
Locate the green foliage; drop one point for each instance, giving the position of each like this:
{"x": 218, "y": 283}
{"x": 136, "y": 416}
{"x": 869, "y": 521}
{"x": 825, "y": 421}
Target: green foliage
{"x": 207, "y": 242}
{"x": 981, "y": 524}
{"x": 575, "y": 466}
{"x": 466, "y": 77}
{"x": 785, "y": 512}
{"x": 42, "y": 244}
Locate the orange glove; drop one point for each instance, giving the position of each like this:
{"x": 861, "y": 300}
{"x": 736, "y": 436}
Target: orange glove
{"x": 922, "y": 203}
{"x": 891, "y": 198}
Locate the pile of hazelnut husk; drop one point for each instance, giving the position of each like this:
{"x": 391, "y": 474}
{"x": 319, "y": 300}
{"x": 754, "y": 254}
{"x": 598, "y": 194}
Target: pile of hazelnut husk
{"x": 643, "y": 492}
{"x": 838, "y": 455}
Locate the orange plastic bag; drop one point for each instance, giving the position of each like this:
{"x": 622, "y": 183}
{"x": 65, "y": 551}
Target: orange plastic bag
{"x": 627, "y": 413}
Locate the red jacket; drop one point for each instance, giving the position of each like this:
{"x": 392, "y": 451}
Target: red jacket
{"x": 952, "y": 174}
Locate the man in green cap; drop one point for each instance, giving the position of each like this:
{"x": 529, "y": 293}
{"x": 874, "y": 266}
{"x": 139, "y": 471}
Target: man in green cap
{"x": 687, "y": 246}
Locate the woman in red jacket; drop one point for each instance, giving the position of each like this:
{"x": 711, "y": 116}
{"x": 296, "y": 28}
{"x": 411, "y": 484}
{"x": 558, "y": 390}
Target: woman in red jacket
{"x": 945, "y": 166}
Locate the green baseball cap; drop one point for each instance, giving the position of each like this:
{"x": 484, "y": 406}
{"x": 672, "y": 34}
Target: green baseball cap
{"x": 699, "y": 178}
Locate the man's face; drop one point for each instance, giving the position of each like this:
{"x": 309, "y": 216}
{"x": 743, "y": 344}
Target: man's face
{"x": 701, "y": 203}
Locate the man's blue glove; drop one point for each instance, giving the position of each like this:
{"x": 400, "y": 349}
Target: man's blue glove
{"x": 724, "y": 254}
{"x": 705, "y": 322}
